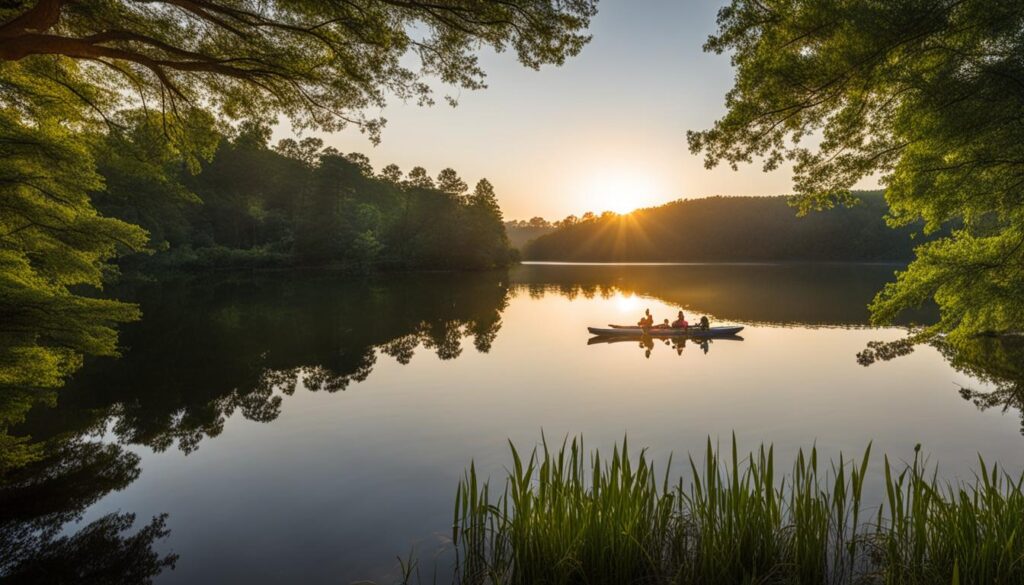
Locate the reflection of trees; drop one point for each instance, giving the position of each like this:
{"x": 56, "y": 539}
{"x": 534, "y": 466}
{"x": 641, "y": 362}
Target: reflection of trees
{"x": 883, "y": 351}
{"x": 101, "y": 554}
{"x": 45, "y": 330}
{"x": 204, "y": 352}
{"x": 402, "y": 348}
{"x": 445, "y": 338}
{"x": 201, "y": 354}
{"x": 15, "y": 403}
{"x": 998, "y": 362}
{"x": 38, "y": 499}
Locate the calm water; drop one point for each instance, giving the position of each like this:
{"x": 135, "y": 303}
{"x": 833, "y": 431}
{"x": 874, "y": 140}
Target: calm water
{"x": 299, "y": 428}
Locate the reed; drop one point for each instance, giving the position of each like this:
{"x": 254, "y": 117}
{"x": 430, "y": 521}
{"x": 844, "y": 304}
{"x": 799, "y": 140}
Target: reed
{"x": 567, "y": 516}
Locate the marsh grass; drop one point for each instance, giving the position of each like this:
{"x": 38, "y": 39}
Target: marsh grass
{"x": 566, "y": 516}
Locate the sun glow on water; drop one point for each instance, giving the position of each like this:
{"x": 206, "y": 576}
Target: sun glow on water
{"x": 629, "y": 303}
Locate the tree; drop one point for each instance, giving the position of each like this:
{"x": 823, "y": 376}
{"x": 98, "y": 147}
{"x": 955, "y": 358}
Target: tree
{"x": 320, "y": 63}
{"x": 487, "y": 233}
{"x": 144, "y": 174}
{"x": 392, "y": 174}
{"x": 418, "y": 178}
{"x": 483, "y": 197}
{"x": 51, "y": 241}
{"x": 362, "y": 161}
{"x": 927, "y": 95}
{"x": 307, "y": 151}
{"x": 449, "y": 182}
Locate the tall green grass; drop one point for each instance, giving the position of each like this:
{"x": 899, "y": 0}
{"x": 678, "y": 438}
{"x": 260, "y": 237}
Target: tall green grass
{"x": 567, "y": 516}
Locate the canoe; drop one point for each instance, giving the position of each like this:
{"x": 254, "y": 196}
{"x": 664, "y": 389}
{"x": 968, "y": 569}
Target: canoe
{"x": 637, "y": 338}
{"x": 696, "y": 332}
{"x": 692, "y": 325}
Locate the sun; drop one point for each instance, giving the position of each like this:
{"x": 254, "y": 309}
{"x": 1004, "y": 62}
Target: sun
{"x": 618, "y": 190}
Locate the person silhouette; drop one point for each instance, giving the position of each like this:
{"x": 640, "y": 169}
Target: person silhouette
{"x": 680, "y": 322}
{"x": 646, "y": 321}
{"x": 678, "y": 344}
{"x": 647, "y": 343}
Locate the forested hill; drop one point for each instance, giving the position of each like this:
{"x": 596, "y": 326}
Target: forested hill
{"x": 294, "y": 204}
{"x": 731, "y": 229}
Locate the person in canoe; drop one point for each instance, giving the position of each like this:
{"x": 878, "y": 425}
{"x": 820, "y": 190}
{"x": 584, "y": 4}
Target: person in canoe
{"x": 680, "y": 322}
{"x": 646, "y": 321}
{"x": 663, "y": 325}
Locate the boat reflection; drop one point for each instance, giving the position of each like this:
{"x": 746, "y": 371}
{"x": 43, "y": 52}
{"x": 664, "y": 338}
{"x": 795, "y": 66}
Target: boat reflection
{"x": 648, "y": 342}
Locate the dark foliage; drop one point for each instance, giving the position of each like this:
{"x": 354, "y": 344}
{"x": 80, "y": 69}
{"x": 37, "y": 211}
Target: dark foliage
{"x": 40, "y": 501}
{"x": 300, "y": 204}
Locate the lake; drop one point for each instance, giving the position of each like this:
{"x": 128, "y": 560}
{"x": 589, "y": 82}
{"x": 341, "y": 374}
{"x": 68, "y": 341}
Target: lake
{"x": 302, "y": 427}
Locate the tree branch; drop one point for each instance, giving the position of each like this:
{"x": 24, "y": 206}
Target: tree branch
{"x": 40, "y": 18}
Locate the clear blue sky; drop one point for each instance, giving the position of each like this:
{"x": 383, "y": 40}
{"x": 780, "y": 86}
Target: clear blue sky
{"x": 605, "y": 131}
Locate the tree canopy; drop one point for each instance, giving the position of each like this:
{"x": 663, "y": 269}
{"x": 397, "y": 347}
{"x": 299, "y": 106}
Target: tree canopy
{"x": 322, "y": 63}
{"x": 297, "y": 204}
{"x": 926, "y": 95}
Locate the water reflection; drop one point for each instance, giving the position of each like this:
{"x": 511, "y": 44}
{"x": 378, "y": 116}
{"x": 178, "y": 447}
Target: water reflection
{"x": 647, "y": 343}
{"x": 780, "y": 294}
{"x": 205, "y": 351}
{"x": 38, "y": 500}
{"x": 211, "y": 352}
{"x": 996, "y": 362}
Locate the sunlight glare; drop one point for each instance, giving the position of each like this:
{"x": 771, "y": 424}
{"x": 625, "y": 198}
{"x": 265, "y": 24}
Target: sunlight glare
{"x": 618, "y": 190}
{"x": 627, "y": 303}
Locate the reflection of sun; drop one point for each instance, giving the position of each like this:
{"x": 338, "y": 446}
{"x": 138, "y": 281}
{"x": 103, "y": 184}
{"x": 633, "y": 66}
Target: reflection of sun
{"x": 627, "y": 303}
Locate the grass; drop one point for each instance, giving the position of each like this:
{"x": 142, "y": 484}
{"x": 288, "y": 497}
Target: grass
{"x": 571, "y": 517}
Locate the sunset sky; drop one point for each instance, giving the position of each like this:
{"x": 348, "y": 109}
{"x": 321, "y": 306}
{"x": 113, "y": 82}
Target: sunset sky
{"x": 605, "y": 131}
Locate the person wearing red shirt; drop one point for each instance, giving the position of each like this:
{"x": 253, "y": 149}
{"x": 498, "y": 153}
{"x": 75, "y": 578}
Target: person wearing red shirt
{"x": 681, "y": 322}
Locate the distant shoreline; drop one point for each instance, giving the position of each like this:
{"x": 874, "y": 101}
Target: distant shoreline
{"x": 714, "y": 263}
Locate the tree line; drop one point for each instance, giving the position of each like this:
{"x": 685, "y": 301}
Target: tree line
{"x": 521, "y": 232}
{"x": 730, "y": 229}
{"x": 295, "y": 204}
